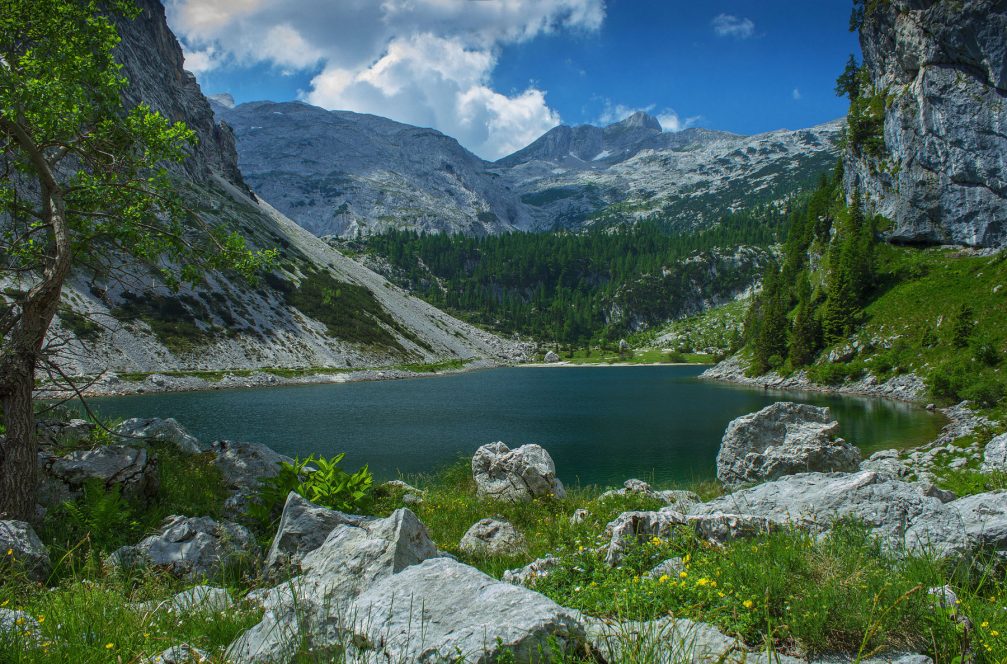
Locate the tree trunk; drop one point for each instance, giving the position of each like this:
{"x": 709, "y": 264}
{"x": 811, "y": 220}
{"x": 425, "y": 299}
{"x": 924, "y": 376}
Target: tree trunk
{"x": 18, "y": 453}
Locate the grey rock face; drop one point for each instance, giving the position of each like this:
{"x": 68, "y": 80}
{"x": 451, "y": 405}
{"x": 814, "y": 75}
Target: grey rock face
{"x": 631, "y": 527}
{"x": 551, "y": 357}
{"x": 303, "y": 528}
{"x": 995, "y": 455}
{"x": 444, "y": 609}
{"x": 342, "y": 173}
{"x": 895, "y": 511}
{"x": 71, "y": 432}
{"x": 527, "y": 575}
{"x": 493, "y": 537}
{"x": 170, "y": 89}
{"x": 190, "y": 547}
{"x": 677, "y": 498}
{"x": 244, "y": 464}
{"x": 783, "y": 439}
{"x": 517, "y": 475}
{"x": 945, "y": 180}
{"x": 27, "y": 551}
{"x": 166, "y": 431}
{"x": 199, "y": 599}
{"x": 671, "y": 641}
{"x": 19, "y": 626}
{"x": 130, "y": 469}
{"x": 180, "y": 654}
{"x": 351, "y": 560}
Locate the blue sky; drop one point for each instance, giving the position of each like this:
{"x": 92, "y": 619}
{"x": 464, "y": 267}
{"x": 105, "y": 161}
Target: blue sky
{"x": 497, "y": 73}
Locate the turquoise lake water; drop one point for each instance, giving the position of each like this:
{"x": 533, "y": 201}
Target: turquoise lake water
{"x": 601, "y": 425}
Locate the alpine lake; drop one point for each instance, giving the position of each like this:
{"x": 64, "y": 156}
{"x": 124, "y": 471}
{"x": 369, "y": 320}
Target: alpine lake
{"x": 602, "y": 425}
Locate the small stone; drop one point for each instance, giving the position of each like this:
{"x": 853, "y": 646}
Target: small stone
{"x": 493, "y": 537}
{"x": 579, "y": 515}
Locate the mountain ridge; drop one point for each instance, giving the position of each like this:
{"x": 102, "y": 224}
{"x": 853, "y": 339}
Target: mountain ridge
{"x": 335, "y": 173}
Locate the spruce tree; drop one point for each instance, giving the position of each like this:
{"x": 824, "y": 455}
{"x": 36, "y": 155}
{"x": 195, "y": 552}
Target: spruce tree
{"x": 805, "y": 337}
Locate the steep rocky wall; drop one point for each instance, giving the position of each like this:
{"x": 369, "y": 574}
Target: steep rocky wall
{"x": 152, "y": 61}
{"x": 945, "y": 64}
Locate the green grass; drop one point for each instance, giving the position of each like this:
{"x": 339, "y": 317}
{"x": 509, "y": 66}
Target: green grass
{"x": 788, "y": 590}
{"x": 914, "y": 311}
{"x": 719, "y": 327}
{"x": 91, "y": 620}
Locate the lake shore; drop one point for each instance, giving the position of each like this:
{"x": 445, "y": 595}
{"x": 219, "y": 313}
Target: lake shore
{"x": 907, "y": 388}
{"x": 111, "y": 384}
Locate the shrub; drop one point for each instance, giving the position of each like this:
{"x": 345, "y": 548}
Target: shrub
{"x": 986, "y": 392}
{"x": 984, "y": 351}
{"x": 319, "y": 480}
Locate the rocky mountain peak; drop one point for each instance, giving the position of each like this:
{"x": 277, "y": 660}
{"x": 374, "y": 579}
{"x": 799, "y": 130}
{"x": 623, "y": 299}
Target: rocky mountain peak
{"x": 639, "y": 120}
{"x": 223, "y": 99}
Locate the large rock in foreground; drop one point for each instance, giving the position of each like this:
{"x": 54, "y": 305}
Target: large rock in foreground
{"x": 303, "y": 528}
{"x": 517, "y": 475}
{"x": 243, "y": 466}
{"x": 783, "y": 439}
{"x": 897, "y": 512}
{"x": 190, "y": 547}
{"x": 493, "y": 537}
{"x": 311, "y": 611}
{"x": 27, "y": 552}
{"x": 164, "y": 431}
{"x": 131, "y": 470}
{"x": 442, "y": 610}
{"x": 995, "y": 455}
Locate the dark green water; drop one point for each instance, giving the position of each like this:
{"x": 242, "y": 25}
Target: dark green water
{"x": 601, "y": 425}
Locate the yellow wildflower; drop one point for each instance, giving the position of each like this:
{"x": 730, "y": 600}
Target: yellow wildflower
{"x": 993, "y": 632}
{"x": 109, "y": 646}
{"x": 703, "y": 581}
{"x": 41, "y": 619}
{"x": 683, "y": 574}
{"x": 985, "y": 624}
{"x": 656, "y": 541}
{"x": 748, "y": 604}
{"x": 664, "y": 578}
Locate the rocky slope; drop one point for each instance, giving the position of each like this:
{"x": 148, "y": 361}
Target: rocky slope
{"x": 944, "y": 66}
{"x": 316, "y": 308}
{"x": 632, "y": 170}
{"x": 342, "y": 173}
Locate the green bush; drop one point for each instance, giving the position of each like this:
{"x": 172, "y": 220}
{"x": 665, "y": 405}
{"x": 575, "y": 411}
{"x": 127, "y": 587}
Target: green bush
{"x": 984, "y": 351}
{"x": 987, "y": 392}
{"x": 319, "y": 480}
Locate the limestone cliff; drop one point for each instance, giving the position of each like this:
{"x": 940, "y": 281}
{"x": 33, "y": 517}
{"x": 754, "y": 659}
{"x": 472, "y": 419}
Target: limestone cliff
{"x": 943, "y": 66}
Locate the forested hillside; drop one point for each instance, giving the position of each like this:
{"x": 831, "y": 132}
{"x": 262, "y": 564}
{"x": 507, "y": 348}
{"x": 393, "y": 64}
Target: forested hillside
{"x": 576, "y": 288}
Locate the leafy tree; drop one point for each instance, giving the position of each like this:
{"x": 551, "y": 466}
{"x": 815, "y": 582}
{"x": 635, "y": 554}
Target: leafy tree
{"x": 81, "y": 187}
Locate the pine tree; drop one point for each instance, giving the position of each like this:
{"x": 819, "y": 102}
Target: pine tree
{"x": 805, "y": 338}
{"x": 848, "y": 83}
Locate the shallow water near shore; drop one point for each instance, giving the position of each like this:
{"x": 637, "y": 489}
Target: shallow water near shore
{"x": 601, "y": 425}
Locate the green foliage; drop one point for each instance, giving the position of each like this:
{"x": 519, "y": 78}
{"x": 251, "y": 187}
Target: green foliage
{"x": 575, "y": 288}
{"x": 94, "y": 619}
{"x": 101, "y": 516}
{"x": 320, "y": 480}
{"x": 349, "y": 311}
{"x": 848, "y": 83}
{"x": 865, "y": 121}
{"x": 82, "y": 327}
{"x": 962, "y": 325}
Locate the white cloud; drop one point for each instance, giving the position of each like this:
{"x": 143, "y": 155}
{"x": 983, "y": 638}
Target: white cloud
{"x": 669, "y": 119}
{"x": 796, "y": 94}
{"x": 728, "y": 25}
{"x": 426, "y": 62}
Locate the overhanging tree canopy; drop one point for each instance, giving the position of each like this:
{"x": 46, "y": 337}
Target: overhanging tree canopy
{"x": 84, "y": 184}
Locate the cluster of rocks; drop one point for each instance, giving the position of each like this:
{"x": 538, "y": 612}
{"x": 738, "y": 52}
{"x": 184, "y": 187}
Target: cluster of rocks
{"x": 379, "y": 588}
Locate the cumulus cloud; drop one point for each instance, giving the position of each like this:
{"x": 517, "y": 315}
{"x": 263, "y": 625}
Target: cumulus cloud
{"x": 796, "y": 94}
{"x": 426, "y": 62}
{"x": 729, "y": 25}
{"x": 669, "y": 119}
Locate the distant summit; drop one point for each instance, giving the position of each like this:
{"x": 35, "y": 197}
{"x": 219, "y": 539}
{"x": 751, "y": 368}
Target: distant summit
{"x": 223, "y": 99}
{"x": 640, "y": 120}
